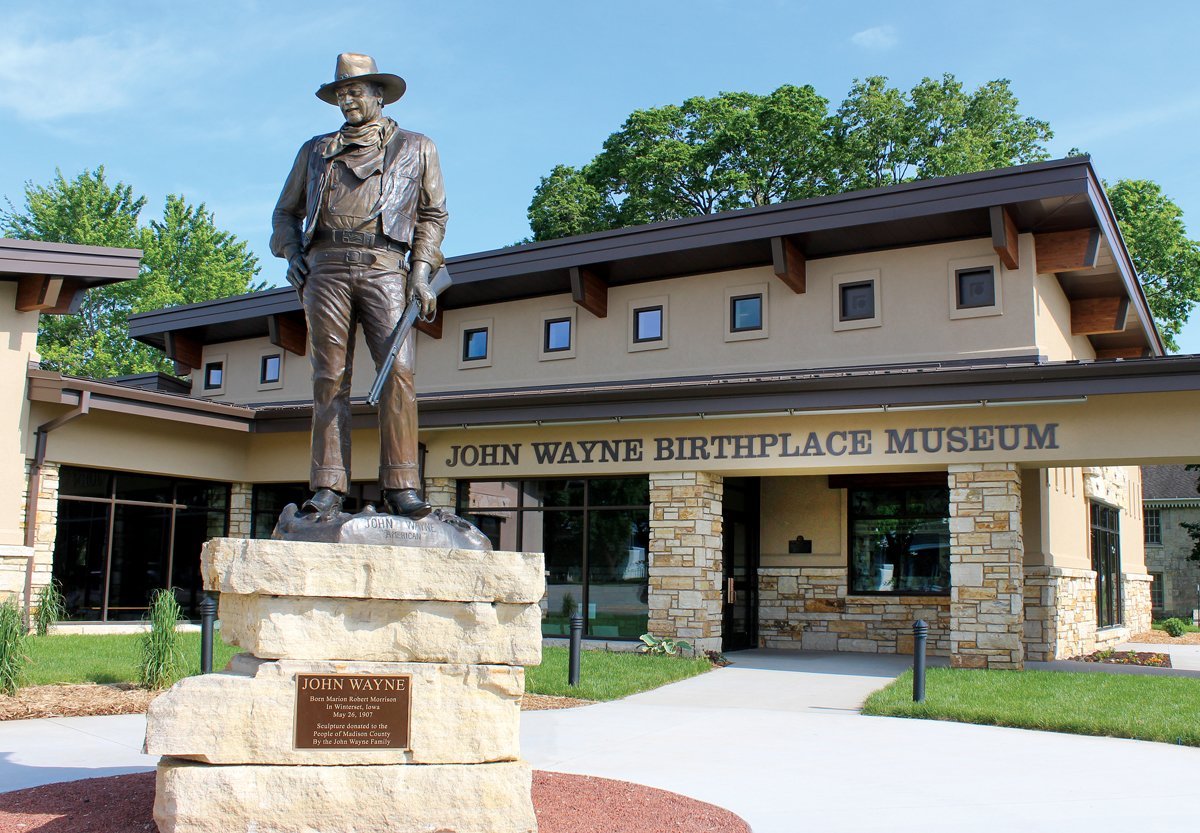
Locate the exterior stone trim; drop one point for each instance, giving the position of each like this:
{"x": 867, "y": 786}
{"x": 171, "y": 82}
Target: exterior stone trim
{"x": 808, "y": 608}
{"x": 442, "y": 492}
{"x": 686, "y": 557}
{"x": 986, "y": 576}
{"x": 1135, "y": 601}
{"x": 241, "y": 515}
{"x": 46, "y": 532}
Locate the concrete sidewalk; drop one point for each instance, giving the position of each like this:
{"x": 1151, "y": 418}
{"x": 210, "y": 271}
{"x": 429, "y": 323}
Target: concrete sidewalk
{"x": 777, "y": 739}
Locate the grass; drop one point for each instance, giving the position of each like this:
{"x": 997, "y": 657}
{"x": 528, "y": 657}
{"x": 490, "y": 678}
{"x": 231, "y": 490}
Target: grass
{"x": 607, "y": 675}
{"x": 113, "y": 658}
{"x": 1158, "y": 708}
{"x": 105, "y": 658}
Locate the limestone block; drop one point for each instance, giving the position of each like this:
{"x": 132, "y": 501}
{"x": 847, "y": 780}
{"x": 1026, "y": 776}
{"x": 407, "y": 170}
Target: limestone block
{"x": 460, "y": 714}
{"x": 286, "y": 627}
{"x": 363, "y": 571}
{"x": 484, "y": 798}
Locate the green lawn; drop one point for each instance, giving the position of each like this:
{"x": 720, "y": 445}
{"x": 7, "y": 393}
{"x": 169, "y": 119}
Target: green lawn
{"x": 1158, "y": 708}
{"x": 103, "y": 658}
{"x": 112, "y": 658}
{"x": 608, "y": 676}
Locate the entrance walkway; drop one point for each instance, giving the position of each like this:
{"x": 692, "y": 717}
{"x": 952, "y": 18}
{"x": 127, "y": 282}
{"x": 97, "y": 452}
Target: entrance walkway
{"x": 776, "y": 738}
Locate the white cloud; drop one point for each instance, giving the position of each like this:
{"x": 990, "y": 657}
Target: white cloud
{"x": 45, "y": 80}
{"x": 877, "y": 37}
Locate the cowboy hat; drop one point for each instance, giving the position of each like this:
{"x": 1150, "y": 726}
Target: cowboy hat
{"x": 354, "y": 67}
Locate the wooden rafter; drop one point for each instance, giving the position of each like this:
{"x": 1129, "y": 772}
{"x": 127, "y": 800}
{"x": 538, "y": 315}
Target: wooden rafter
{"x": 187, "y": 352}
{"x": 1065, "y": 251}
{"x": 288, "y": 330}
{"x": 433, "y": 328}
{"x": 38, "y": 292}
{"x": 589, "y": 290}
{"x": 789, "y": 264}
{"x": 1004, "y": 236}
{"x": 1097, "y": 316}
{"x": 1122, "y": 353}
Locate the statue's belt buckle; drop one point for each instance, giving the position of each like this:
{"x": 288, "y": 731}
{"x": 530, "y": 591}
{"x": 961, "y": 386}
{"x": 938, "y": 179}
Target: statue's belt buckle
{"x": 364, "y": 258}
{"x": 357, "y": 237}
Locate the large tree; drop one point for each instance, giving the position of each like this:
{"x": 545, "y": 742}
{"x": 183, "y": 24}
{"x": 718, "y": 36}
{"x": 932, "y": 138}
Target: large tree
{"x": 1167, "y": 261}
{"x": 186, "y": 259}
{"x": 740, "y": 149}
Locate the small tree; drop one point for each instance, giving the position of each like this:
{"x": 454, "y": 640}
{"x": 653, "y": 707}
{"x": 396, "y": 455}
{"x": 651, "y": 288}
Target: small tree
{"x": 161, "y": 656}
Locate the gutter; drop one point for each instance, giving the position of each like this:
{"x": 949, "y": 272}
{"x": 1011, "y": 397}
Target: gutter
{"x": 35, "y": 486}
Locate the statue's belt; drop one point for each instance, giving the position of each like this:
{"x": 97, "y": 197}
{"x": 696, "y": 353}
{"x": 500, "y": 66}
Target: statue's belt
{"x": 357, "y": 239}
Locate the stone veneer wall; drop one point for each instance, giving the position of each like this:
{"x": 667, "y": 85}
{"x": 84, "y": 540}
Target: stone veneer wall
{"x": 442, "y": 492}
{"x": 1060, "y": 613}
{"x": 1135, "y": 602}
{"x": 686, "y": 567}
{"x": 986, "y": 554}
{"x": 808, "y": 608}
{"x": 241, "y": 514}
{"x": 47, "y": 528}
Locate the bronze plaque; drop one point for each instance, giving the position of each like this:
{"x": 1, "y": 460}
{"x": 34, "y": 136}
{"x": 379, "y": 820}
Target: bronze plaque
{"x": 353, "y": 711}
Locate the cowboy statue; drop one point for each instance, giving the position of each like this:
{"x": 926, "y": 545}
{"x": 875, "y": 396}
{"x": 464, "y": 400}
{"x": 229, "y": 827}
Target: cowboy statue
{"x": 360, "y": 222}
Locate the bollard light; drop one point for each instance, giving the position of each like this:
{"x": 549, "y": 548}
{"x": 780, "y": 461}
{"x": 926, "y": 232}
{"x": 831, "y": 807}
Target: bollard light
{"x": 208, "y": 615}
{"x": 576, "y": 647}
{"x": 920, "y": 634}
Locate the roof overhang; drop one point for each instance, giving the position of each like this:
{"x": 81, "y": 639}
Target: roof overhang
{"x": 52, "y": 277}
{"x": 1046, "y": 198}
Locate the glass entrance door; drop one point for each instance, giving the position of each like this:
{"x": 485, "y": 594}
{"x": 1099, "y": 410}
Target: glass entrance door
{"x": 740, "y": 587}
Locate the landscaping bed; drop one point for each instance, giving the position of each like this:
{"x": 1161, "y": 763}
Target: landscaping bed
{"x": 1157, "y": 637}
{"x": 1158, "y": 708}
{"x": 1151, "y": 659}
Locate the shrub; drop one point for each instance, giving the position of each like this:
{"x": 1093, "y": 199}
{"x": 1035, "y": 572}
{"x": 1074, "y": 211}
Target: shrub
{"x": 51, "y": 608}
{"x": 1175, "y": 626}
{"x": 664, "y": 647}
{"x": 161, "y": 658}
{"x": 12, "y": 647}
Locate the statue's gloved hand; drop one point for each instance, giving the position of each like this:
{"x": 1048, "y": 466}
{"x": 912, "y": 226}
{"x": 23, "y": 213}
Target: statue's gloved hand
{"x": 421, "y": 293}
{"x": 297, "y": 272}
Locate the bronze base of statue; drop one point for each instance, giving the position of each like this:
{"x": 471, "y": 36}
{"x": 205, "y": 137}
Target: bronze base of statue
{"x": 440, "y": 529}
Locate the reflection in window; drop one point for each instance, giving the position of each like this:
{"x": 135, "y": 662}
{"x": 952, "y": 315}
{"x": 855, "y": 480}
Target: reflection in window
{"x": 595, "y": 535}
{"x": 475, "y": 344}
{"x": 557, "y": 335}
{"x": 745, "y": 313}
{"x": 900, "y": 540}
{"x": 214, "y": 375}
{"x": 857, "y": 301}
{"x": 975, "y": 288}
{"x": 270, "y": 369}
{"x": 648, "y": 324}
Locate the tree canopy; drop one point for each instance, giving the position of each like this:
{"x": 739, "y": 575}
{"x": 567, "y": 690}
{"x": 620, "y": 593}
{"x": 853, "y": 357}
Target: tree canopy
{"x": 186, "y": 259}
{"x": 737, "y": 150}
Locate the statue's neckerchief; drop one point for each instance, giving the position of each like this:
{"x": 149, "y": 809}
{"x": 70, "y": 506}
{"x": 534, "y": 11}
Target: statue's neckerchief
{"x": 361, "y": 146}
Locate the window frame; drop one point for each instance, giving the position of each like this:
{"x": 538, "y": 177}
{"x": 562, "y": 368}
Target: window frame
{"x": 645, "y": 305}
{"x": 1158, "y": 589}
{"x": 555, "y": 316}
{"x": 958, "y": 266}
{"x": 849, "y": 279}
{"x": 734, "y": 294}
{"x": 217, "y": 359}
{"x": 263, "y": 358}
{"x": 1104, "y": 546}
{"x": 1155, "y": 539}
{"x": 487, "y": 326}
{"x": 851, "y": 516}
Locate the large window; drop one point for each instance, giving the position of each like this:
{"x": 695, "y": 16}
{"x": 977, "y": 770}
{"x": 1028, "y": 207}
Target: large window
{"x": 594, "y": 533}
{"x": 900, "y": 540}
{"x": 122, "y": 536}
{"x": 1106, "y": 561}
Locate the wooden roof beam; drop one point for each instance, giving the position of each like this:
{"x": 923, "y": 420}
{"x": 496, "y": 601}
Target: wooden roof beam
{"x": 787, "y": 259}
{"x": 288, "y": 330}
{"x": 589, "y": 290}
{"x": 1099, "y": 316}
{"x": 1004, "y": 236}
{"x": 1123, "y": 353}
{"x": 187, "y": 352}
{"x": 433, "y": 328}
{"x": 37, "y": 292}
{"x": 1066, "y": 251}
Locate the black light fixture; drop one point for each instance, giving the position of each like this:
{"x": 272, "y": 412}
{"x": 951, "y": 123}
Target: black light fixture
{"x": 800, "y": 546}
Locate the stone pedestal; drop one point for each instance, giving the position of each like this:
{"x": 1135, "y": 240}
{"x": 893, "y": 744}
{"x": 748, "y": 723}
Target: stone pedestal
{"x": 456, "y": 625}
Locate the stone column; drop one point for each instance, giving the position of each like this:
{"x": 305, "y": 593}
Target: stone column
{"x": 686, "y": 564}
{"x": 241, "y": 506}
{"x": 986, "y": 554}
{"x": 442, "y": 492}
{"x": 46, "y": 532}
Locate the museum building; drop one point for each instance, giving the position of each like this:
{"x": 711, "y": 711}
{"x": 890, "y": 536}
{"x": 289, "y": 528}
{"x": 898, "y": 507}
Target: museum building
{"x": 797, "y": 426}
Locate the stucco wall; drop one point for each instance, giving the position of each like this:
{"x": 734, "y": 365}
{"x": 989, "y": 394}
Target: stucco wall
{"x": 19, "y": 332}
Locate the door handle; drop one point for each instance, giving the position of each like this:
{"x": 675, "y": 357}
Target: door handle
{"x": 730, "y": 592}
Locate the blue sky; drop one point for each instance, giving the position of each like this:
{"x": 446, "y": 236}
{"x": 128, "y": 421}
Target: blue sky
{"x": 212, "y": 99}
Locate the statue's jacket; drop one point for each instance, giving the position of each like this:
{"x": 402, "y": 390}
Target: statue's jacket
{"x": 412, "y": 200}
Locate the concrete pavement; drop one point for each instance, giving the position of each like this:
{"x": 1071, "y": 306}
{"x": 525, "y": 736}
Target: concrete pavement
{"x": 776, "y": 738}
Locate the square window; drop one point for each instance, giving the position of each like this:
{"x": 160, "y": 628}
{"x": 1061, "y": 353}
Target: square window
{"x": 270, "y": 369}
{"x": 214, "y": 375}
{"x": 557, "y": 335}
{"x": 856, "y": 301}
{"x": 745, "y": 313}
{"x": 475, "y": 344}
{"x": 647, "y": 324}
{"x": 975, "y": 288}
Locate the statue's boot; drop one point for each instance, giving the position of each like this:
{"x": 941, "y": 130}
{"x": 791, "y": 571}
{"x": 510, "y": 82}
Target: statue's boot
{"x": 406, "y": 502}
{"x": 326, "y": 504}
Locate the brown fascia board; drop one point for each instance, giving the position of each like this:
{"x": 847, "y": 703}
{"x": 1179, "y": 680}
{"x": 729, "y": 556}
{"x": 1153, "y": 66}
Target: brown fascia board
{"x": 1107, "y": 221}
{"x": 966, "y": 192}
{"x": 51, "y": 387}
{"x": 802, "y": 390}
{"x": 93, "y": 265}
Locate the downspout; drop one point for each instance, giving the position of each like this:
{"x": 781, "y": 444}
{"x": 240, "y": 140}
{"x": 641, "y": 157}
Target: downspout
{"x": 35, "y": 486}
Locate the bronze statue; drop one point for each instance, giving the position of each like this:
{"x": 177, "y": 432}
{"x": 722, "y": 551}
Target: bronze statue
{"x": 361, "y": 221}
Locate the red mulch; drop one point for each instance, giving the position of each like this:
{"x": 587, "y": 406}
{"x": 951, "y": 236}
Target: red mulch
{"x": 564, "y": 804}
